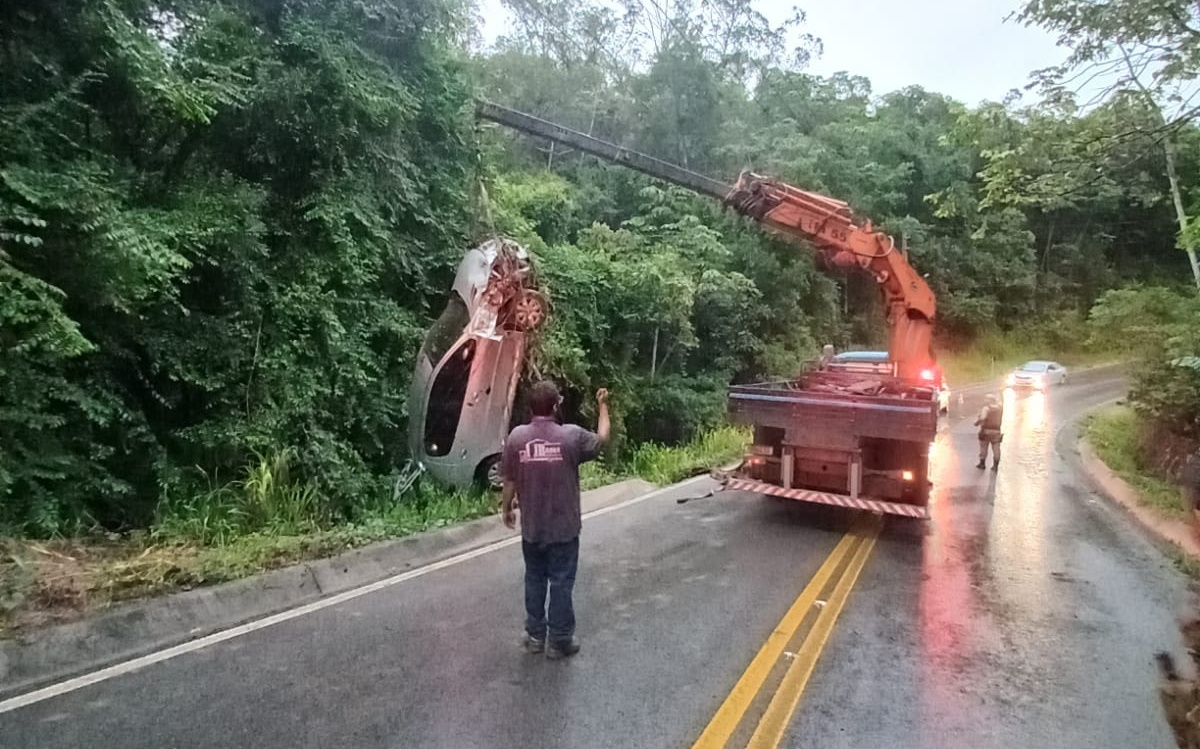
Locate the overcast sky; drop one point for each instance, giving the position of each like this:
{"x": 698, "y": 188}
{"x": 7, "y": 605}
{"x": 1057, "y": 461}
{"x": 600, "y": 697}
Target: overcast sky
{"x": 963, "y": 48}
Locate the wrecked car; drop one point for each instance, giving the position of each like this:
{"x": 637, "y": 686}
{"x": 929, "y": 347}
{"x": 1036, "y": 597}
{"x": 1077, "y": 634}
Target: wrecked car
{"x": 461, "y": 400}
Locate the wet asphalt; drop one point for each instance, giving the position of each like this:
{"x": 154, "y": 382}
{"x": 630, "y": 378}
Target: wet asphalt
{"x": 1025, "y": 614}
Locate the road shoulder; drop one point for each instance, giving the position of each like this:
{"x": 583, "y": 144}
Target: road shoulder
{"x": 1172, "y": 533}
{"x": 146, "y": 625}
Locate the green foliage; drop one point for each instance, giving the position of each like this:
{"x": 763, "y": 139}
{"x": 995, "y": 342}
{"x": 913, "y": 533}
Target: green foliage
{"x": 267, "y": 520}
{"x": 265, "y": 499}
{"x": 1140, "y": 321}
{"x": 991, "y": 354}
{"x": 1157, "y": 326}
{"x": 220, "y": 229}
{"x": 1116, "y": 435}
{"x": 1169, "y": 388}
{"x": 1143, "y": 57}
{"x": 658, "y": 310}
{"x": 223, "y": 226}
{"x": 62, "y": 578}
{"x": 665, "y": 465}
{"x": 1161, "y": 36}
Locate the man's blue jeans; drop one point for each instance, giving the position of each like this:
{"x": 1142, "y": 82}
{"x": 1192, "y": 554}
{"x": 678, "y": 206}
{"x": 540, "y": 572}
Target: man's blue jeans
{"x": 550, "y": 568}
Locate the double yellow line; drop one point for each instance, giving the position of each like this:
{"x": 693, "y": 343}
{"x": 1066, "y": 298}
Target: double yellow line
{"x": 841, "y": 570}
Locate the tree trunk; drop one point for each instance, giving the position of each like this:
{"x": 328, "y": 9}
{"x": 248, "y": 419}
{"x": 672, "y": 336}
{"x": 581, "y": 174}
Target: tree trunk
{"x": 1177, "y": 199}
{"x": 1040, "y": 276}
{"x": 1049, "y": 244}
{"x": 654, "y": 355}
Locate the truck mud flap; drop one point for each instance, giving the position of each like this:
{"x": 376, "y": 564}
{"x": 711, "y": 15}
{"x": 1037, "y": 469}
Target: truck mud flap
{"x": 825, "y": 498}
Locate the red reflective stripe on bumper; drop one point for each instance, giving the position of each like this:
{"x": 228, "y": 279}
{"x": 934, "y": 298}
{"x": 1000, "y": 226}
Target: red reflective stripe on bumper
{"x": 824, "y": 498}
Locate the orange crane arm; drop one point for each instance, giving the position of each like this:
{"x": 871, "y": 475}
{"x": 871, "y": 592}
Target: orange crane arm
{"x": 797, "y": 214}
{"x": 828, "y": 224}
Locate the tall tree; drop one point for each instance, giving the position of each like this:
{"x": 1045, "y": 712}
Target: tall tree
{"x": 219, "y": 226}
{"x": 1148, "y": 50}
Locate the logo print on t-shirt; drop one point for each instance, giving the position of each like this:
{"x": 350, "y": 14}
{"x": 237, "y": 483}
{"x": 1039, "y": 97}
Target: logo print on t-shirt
{"x": 541, "y": 451}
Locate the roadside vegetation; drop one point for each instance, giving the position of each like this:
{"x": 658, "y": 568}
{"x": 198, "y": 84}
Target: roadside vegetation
{"x": 1115, "y": 434}
{"x": 225, "y": 227}
{"x": 265, "y": 521}
{"x": 231, "y": 533}
{"x": 1153, "y": 442}
{"x": 993, "y": 353}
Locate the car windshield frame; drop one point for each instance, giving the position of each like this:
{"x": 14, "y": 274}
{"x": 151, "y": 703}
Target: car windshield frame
{"x": 446, "y": 330}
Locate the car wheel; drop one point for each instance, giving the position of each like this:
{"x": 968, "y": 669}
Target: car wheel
{"x": 530, "y": 310}
{"x": 488, "y": 474}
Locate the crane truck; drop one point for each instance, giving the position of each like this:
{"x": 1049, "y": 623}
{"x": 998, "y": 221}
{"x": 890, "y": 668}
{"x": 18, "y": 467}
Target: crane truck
{"x": 854, "y": 435}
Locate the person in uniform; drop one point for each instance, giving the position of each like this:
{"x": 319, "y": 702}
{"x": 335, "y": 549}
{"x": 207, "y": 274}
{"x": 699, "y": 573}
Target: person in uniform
{"x": 990, "y": 422}
{"x": 827, "y": 355}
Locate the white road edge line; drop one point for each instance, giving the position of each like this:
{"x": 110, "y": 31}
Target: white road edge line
{"x": 135, "y": 664}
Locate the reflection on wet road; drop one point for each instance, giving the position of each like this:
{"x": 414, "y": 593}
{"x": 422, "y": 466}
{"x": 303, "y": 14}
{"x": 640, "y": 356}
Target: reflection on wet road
{"x": 1022, "y": 615}
{"x": 1036, "y": 609}
{"x": 982, "y": 554}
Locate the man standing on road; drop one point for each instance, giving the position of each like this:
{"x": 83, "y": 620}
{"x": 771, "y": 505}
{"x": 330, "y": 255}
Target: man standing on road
{"x": 541, "y": 472}
{"x": 990, "y": 422}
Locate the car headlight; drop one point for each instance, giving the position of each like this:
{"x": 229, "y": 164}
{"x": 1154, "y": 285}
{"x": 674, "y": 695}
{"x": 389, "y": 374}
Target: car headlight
{"x": 1010, "y": 380}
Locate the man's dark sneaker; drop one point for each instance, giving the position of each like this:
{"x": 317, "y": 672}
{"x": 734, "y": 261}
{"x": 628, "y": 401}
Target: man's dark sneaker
{"x": 981, "y": 465}
{"x": 532, "y": 644}
{"x": 563, "y": 649}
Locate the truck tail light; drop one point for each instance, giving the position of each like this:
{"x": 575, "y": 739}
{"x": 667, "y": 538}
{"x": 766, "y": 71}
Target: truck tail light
{"x": 906, "y": 475}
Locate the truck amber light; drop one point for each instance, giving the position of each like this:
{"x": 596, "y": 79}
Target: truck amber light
{"x": 906, "y": 475}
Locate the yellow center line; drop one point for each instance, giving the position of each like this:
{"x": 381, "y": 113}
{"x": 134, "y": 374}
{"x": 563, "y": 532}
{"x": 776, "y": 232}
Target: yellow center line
{"x": 730, "y": 714}
{"x": 782, "y": 707}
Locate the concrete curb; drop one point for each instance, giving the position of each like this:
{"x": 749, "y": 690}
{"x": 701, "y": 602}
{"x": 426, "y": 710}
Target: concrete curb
{"x": 139, "y": 627}
{"x": 1177, "y": 534}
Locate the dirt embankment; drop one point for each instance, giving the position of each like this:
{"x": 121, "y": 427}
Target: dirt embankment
{"x": 1170, "y": 455}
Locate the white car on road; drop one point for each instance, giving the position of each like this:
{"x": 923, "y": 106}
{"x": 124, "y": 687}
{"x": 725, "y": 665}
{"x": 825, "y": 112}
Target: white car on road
{"x": 1037, "y": 375}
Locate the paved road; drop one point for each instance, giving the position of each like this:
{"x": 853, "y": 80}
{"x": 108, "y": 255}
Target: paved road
{"x": 1023, "y": 615}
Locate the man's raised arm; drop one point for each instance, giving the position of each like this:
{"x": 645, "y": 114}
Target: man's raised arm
{"x": 602, "y": 426}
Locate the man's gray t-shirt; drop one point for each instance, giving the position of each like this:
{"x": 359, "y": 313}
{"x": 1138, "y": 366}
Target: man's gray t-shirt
{"x": 543, "y": 459}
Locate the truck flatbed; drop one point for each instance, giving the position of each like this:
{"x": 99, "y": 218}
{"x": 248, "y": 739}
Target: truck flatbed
{"x": 856, "y": 439}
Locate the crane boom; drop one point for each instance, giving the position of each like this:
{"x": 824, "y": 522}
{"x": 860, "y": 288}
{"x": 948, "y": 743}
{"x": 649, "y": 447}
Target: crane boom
{"x": 639, "y": 162}
{"x": 826, "y": 223}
